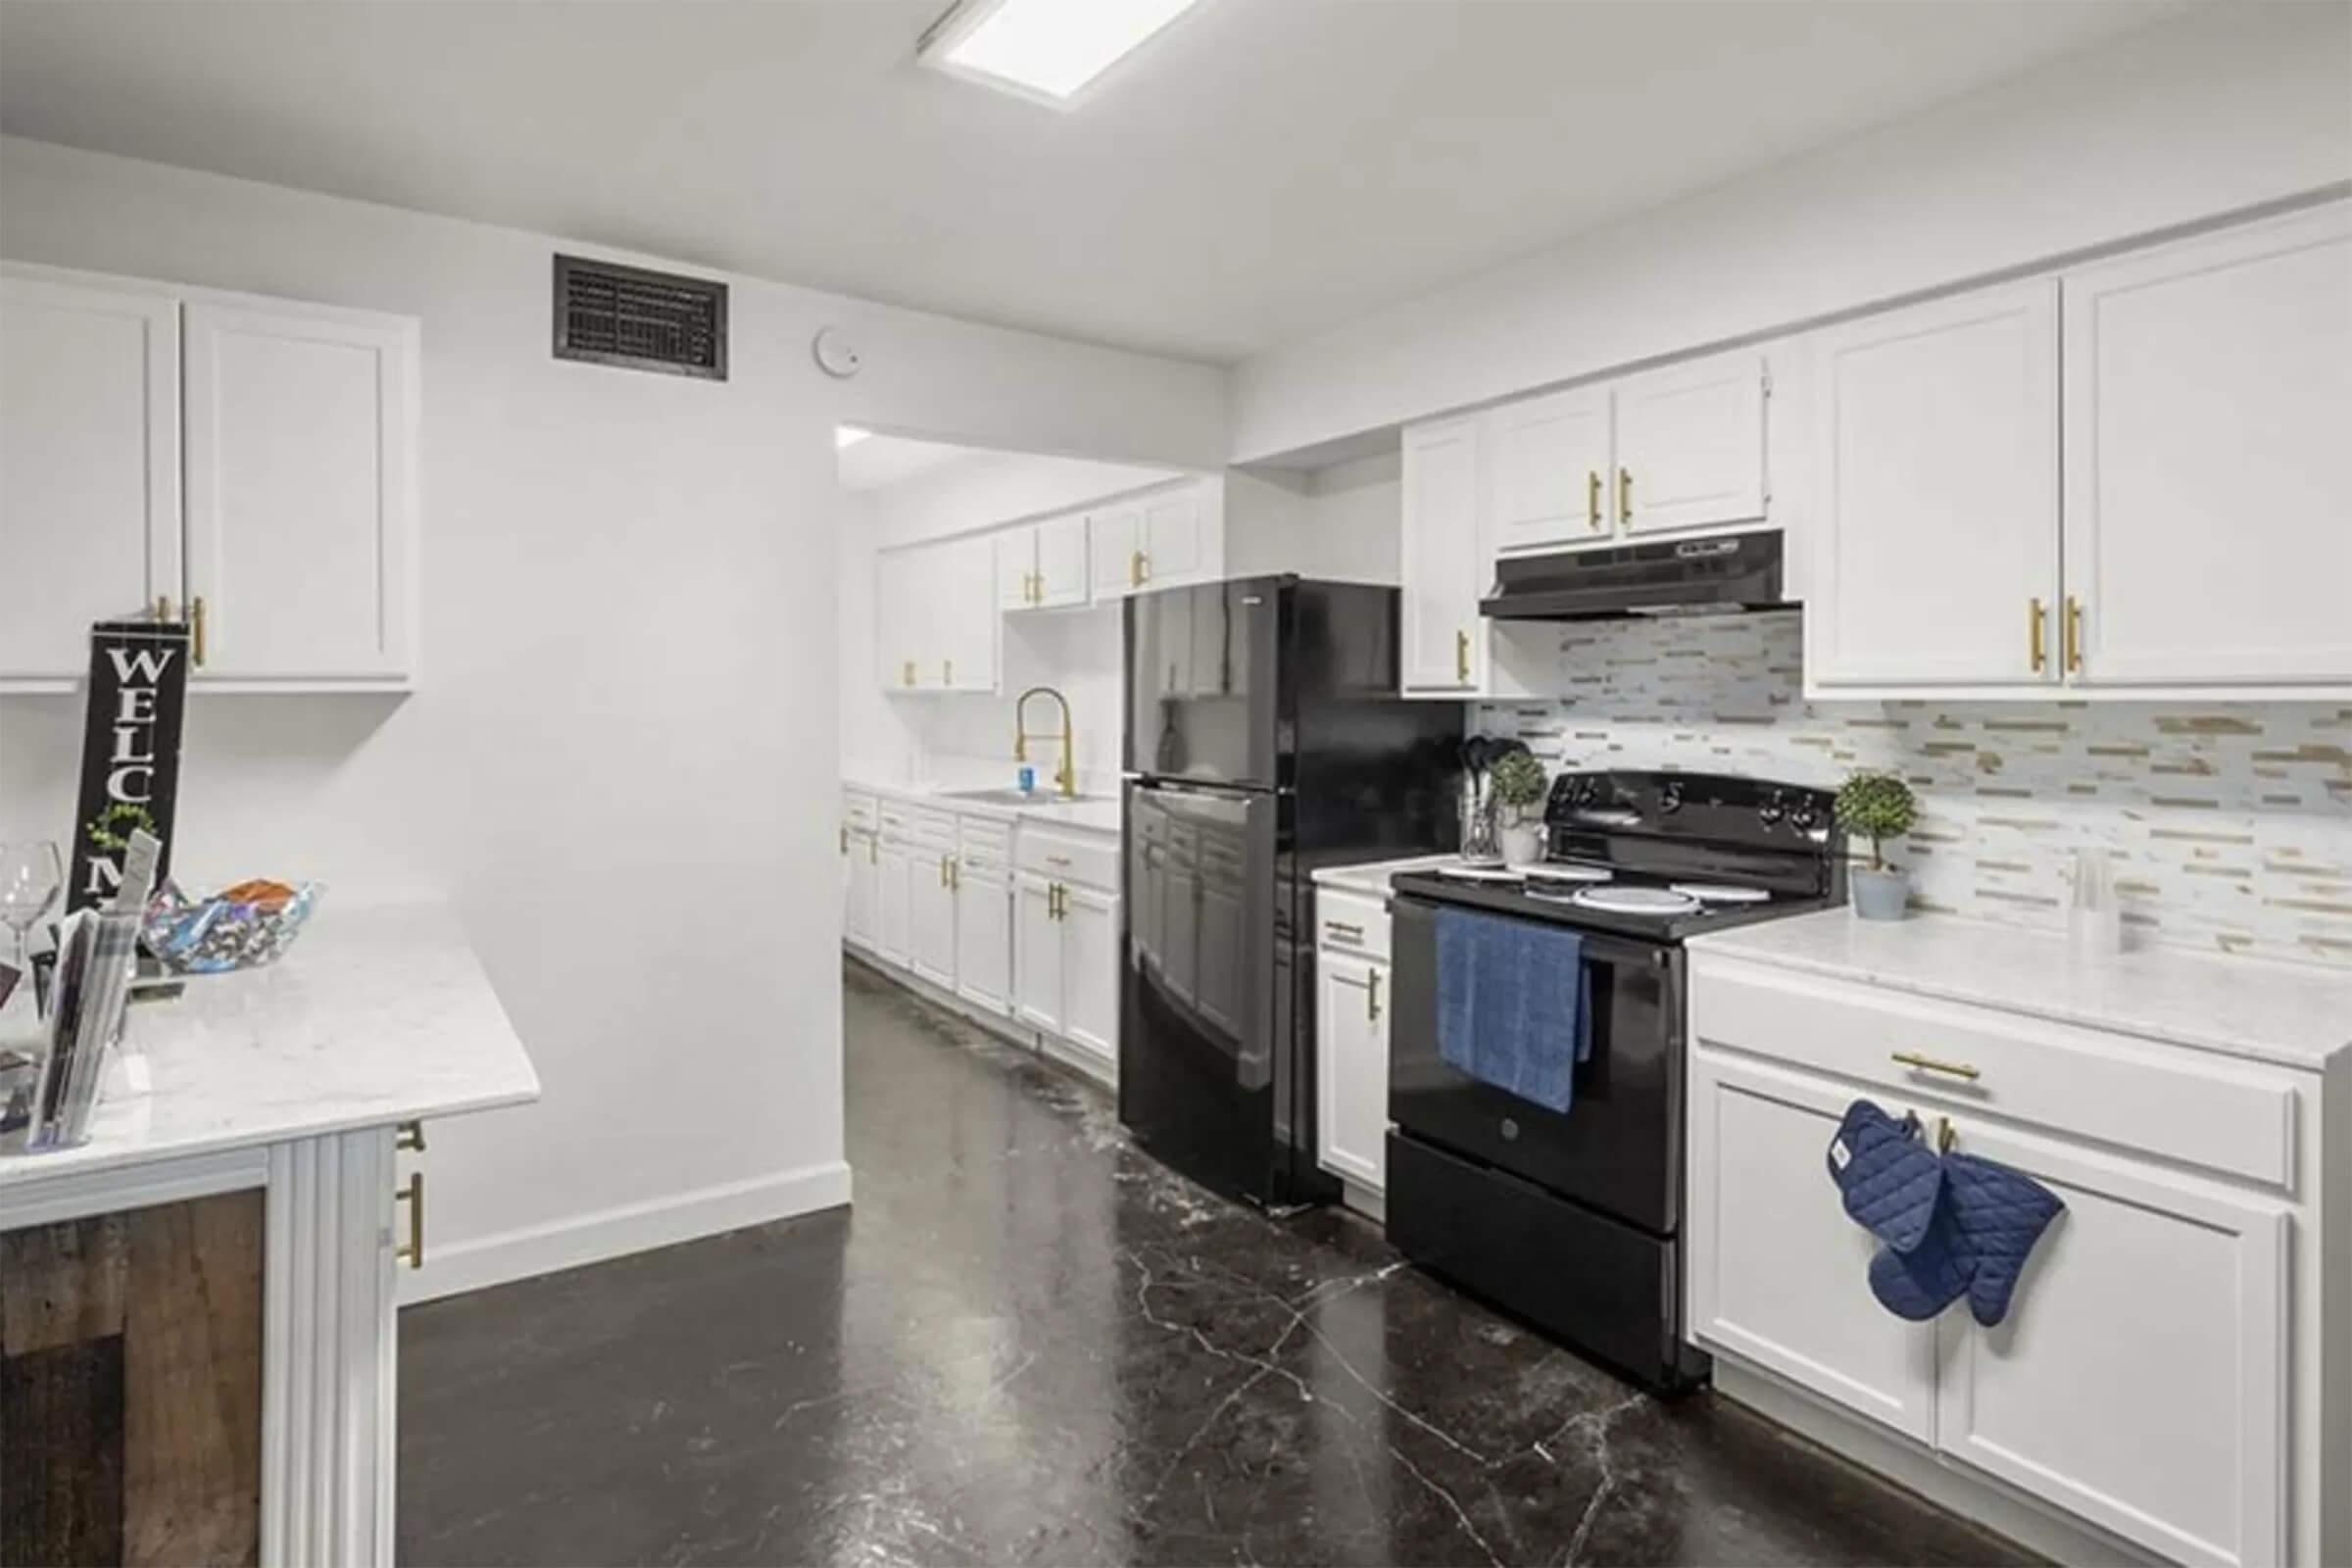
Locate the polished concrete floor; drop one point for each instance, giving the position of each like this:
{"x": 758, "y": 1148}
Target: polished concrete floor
{"x": 1029, "y": 1343}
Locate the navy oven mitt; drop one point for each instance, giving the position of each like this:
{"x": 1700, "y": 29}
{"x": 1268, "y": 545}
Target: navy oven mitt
{"x": 1889, "y": 1178}
{"x": 1983, "y": 1232}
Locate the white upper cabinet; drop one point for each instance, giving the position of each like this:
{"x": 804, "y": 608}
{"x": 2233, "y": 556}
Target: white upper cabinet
{"x": 1690, "y": 444}
{"x": 1443, "y": 559}
{"x": 1181, "y": 529}
{"x": 1016, "y": 569}
{"x": 1114, "y": 549}
{"x": 1935, "y": 518}
{"x": 301, "y": 492}
{"x": 2208, "y": 422}
{"x": 1042, "y": 565}
{"x": 89, "y": 466}
{"x": 934, "y": 615}
{"x": 1061, "y": 574}
{"x": 1548, "y": 470}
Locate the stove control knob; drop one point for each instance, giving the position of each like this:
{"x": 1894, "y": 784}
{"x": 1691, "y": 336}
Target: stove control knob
{"x": 1776, "y": 805}
{"x": 1804, "y": 814}
{"x": 1670, "y": 798}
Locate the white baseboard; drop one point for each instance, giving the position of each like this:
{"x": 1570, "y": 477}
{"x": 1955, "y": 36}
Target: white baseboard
{"x": 519, "y": 1255}
{"x": 2029, "y": 1521}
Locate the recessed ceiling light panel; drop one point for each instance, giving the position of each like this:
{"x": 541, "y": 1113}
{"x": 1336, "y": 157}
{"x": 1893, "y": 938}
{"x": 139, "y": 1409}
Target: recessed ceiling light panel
{"x": 1046, "y": 50}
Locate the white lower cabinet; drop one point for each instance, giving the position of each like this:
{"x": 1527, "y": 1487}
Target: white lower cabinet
{"x": 1037, "y": 951}
{"x": 894, "y": 909}
{"x": 1777, "y": 1272}
{"x": 1352, "y": 1070}
{"x": 862, "y": 914}
{"x": 1089, "y": 970}
{"x": 984, "y": 938}
{"x": 2146, "y": 1380}
{"x": 1351, "y": 1038}
{"x": 931, "y": 935}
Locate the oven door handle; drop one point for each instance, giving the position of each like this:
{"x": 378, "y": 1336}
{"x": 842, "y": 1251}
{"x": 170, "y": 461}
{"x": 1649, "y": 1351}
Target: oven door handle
{"x": 1600, "y": 947}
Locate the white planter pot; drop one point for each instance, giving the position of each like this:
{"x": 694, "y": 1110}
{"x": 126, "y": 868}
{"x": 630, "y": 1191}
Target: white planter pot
{"x": 1880, "y": 895}
{"x": 1522, "y": 842}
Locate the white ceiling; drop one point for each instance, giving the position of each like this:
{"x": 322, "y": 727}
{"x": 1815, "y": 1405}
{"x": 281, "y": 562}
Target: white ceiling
{"x": 881, "y": 460}
{"x": 1264, "y": 170}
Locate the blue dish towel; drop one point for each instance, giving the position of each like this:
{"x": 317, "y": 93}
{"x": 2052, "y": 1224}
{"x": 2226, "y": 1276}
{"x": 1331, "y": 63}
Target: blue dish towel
{"x": 1514, "y": 1006}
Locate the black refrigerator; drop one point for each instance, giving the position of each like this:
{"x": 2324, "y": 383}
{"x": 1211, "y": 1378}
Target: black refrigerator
{"x": 1264, "y": 739}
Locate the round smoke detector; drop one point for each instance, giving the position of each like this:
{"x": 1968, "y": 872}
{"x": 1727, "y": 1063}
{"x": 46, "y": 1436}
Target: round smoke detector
{"x": 836, "y": 355}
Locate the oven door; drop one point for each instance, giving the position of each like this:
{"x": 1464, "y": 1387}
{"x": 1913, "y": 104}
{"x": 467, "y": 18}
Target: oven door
{"x": 1618, "y": 1147}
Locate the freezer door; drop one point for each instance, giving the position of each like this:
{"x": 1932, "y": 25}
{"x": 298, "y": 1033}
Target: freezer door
{"x": 1204, "y": 698}
{"x": 1209, "y": 1060}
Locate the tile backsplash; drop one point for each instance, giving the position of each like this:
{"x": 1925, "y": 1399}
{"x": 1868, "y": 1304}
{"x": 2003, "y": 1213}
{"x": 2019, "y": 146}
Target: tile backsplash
{"x": 2230, "y": 826}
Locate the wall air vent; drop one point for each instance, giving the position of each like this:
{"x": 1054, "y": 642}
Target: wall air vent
{"x": 613, "y": 314}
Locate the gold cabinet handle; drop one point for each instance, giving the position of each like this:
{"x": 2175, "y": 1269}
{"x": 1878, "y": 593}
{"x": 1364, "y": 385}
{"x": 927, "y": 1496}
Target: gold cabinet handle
{"x": 1372, "y": 997}
{"x": 955, "y": 873}
{"x": 412, "y": 1195}
{"x": 947, "y": 672}
{"x": 845, "y": 839}
{"x": 196, "y": 626}
{"x": 1625, "y": 495}
{"x": 2074, "y": 635}
{"x": 907, "y": 673}
{"x": 1342, "y": 931}
{"x": 1134, "y": 569}
{"x": 410, "y": 1136}
{"x": 1593, "y": 499}
{"x": 1947, "y": 1135}
{"x": 2034, "y": 636}
{"x": 873, "y": 849}
{"x": 1461, "y": 657}
{"x": 1956, "y": 1069}
{"x": 162, "y": 607}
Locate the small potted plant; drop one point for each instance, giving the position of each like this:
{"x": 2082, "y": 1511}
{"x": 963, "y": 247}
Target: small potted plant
{"x": 1877, "y": 807}
{"x": 1519, "y": 786}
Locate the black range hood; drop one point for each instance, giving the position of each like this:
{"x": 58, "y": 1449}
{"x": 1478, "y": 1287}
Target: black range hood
{"x": 1670, "y": 578}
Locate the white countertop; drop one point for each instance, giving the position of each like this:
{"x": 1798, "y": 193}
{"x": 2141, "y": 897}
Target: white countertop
{"x": 1371, "y": 879}
{"x": 375, "y": 1017}
{"x": 2291, "y": 1014}
{"x": 1086, "y": 813}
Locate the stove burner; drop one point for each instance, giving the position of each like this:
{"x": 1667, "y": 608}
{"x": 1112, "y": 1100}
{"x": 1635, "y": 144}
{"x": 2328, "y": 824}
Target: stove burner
{"x": 1635, "y": 901}
{"x": 1568, "y": 871}
{"x": 1716, "y": 893}
{"x": 1479, "y": 874}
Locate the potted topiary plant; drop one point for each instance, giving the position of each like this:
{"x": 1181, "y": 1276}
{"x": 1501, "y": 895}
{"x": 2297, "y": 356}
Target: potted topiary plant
{"x": 1519, "y": 786}
{"x": 1877, "y": 807}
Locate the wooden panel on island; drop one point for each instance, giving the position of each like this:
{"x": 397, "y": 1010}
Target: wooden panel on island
{"x": 130, "y": 1386}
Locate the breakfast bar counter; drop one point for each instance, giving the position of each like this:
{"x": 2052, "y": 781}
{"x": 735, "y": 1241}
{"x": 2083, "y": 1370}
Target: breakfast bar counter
{"x": 197, "y": 1305}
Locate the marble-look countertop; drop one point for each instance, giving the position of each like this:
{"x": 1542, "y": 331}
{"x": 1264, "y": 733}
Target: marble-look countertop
{"x": 1371, "y": 879}
{"x": 2291, "y": 1014}
{"x": 1086, "y": 813}
{"x": 375, "y": 1015}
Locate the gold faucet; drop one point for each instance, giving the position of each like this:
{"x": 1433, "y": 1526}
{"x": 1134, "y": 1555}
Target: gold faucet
{"x": 1065, "y": 777}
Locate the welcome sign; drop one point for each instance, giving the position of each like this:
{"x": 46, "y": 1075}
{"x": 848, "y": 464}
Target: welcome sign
{"x": 129, "y": 753}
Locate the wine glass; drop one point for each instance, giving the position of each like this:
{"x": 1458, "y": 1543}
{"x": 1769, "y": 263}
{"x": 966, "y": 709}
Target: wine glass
{"x": 30, "y": 875}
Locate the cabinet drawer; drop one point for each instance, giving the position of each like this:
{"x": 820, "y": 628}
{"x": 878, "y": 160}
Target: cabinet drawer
{"x": 2164, "y": 1100}
{"x": 1068, "y": 857}
{"x": 932, "y": 829}
{"x": 1349, "y": 922}
{"x": 984, "y": 836}
{"x": 860, "y": 812}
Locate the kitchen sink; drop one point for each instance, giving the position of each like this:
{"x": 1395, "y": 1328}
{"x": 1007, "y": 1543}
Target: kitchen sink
{"x": 1035, "y": 799}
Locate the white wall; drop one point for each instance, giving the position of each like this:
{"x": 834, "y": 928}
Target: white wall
{"x": 2229, "y": 107}
{"x": 621, "y": 767}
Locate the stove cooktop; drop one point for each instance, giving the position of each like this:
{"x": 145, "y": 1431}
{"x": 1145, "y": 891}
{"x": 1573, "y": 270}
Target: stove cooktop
{"x": 1535, "y": 899}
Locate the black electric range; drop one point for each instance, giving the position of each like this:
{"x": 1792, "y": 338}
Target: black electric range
{"x": 1573, "y": 1220}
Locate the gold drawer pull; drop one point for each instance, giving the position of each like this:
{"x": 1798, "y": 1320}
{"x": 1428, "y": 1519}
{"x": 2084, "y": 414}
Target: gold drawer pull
{"x": 1057, "y": 860}
{"x": 411, "y": 1136}
{"x": 412, "y": 1195}
{"x": 196, "y": 626}
{"x": 1593, "y": 499}
{"x": 2074, "y": 635}
{"x": 1625, "y": 495}
{"x": 1372, "y": 997}
{"x": 1957, "y": 1069}
{"x": 2034, "y": 636}
{"x": 1461, "y": 657}
{"x": 1341, "y": 931}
